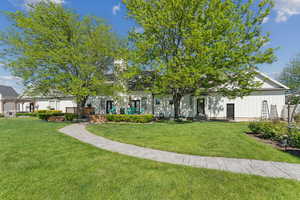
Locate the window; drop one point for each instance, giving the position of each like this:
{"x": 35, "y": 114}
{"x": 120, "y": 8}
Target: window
{"x": 136, "y": 104}
{"x": 191, "y": 101}
{"x": 201, "y": 106}
{"x": 171, "y": 102}
{"x": 109, "y": 107}
{"x": 157, "y": 101}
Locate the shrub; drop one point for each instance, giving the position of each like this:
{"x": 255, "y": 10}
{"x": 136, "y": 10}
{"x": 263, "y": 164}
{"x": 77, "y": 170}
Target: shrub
{"x": 44, "y": 115}
{"x": 294, "y": 138}
{"x": 42, "y": 111}
{"x": 255, "y": 127}
{"x": 269, "y": 130}
{"x": 1, "y": 115}
{"x": 70, "y": 116}
{"x": 276, "y": 131}
{"x": 297, "y": 118}
{"x": 130, "y": 118}
{"x": 34, "y": 114}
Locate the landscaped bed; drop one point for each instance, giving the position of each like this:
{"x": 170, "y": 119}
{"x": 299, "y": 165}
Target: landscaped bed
{"x": 38, "y": 162}
{"x": 221, "y": 139}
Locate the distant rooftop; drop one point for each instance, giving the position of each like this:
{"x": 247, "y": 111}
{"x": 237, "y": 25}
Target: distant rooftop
{"x": 8, "y": 92}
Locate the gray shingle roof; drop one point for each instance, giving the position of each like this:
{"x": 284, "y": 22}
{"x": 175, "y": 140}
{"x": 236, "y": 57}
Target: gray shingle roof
{"x": 8, "y": 92}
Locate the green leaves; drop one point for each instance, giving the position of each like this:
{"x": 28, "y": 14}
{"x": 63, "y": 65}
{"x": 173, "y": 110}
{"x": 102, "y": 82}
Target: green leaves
{"x": 207, "y": 44}
{"x": 200, "y": 46}
{"x": 52, "y": 48}
{"x": 290, "y": 75}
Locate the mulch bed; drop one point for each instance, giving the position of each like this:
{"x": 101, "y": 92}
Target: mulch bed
{"x": 276, "y": 144}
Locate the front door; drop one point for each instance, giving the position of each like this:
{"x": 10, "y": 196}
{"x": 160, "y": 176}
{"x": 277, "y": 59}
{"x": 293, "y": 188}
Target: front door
{"x": 31, "y": 107}
{"x": 201, "y": 107}
{"x": 136, "y": 104}
{"x": 230, "y": 111}
{"x": 109, "y": 106}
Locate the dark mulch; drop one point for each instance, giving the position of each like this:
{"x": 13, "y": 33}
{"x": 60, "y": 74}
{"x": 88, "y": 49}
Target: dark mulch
{"x": 291, "y": 150}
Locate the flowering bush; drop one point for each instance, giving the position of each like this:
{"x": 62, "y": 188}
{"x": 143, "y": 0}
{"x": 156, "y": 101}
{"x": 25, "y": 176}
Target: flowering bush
{"x": 276, "y": 131}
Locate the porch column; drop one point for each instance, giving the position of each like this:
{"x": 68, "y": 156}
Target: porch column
{"x": 15, "y": 103}
{"x": 1, "y": 107}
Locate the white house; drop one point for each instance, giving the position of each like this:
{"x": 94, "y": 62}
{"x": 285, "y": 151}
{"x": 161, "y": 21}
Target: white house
{"x": 266, "y": 102}
{"x": 47, "y": 103}
{"x": 8, "y": 98}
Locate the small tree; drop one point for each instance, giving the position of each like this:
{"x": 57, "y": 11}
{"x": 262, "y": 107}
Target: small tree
{"x": 199, "y": 46}
{"x": 54, "y": 50}
{"x": 290, "y": 76}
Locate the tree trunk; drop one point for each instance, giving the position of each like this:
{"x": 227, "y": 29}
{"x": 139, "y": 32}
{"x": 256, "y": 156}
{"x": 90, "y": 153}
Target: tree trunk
{"x": 153, "y": 99}
{"x": 81, "y": 101}
{"x": 294, "y": 111}
{"x": 176, "y": 100}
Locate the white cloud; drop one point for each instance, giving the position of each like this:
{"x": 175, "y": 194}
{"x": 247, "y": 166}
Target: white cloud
{"x": 286, "y": 8}
{"x": 116, "y": 9}
{"x": 7, "y": 79}
{"x": 139, "y": 29}
{"x": 37, "y": 1}
{"x": 266, "y": 19}
{"x": 12, "y": 81}
{"x": 26, "y": 3}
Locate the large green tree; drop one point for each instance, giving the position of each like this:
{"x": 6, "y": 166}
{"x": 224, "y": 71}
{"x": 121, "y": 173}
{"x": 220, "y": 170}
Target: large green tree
{"x": 54, "y": 50}
{"x": 290, "y": 76}
{"x": 199, "y": 46}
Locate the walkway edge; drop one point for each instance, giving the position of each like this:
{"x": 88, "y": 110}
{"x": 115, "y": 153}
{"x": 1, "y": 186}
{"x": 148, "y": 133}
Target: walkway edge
{"x": 244, "y": 166}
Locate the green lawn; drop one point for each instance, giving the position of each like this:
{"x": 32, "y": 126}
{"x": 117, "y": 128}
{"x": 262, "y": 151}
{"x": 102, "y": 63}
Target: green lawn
{"x": 220, "y": 139}
{"x": 38, "y": 162}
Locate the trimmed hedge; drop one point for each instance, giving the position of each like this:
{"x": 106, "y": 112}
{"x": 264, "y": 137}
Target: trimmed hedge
{"x": 130, "y": 118}
{"x": 70, "y": 116}
{"x": 42, "y": 111}
{"x": 45, "y": 115}
{"x": 276, "y": 131}
{"x": 34, "y": 114}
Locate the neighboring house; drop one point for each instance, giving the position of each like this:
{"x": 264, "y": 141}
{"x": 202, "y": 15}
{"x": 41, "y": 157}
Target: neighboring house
{"x": 8, "y": 100}
{"x": 48, "y": 103}
{"x": 266, "y": 102}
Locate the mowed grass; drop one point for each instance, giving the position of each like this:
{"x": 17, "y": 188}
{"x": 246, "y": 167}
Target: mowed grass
{"x": 38, "y": 162}
{"x": 220, "y": 139}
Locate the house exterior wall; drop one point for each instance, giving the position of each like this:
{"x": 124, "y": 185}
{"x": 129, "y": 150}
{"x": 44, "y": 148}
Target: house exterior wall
{"x": 47, "y": 104}
{"x": 1, "y": 107}
{"x": 247, "y": 108}
{"x": 215, "y": 107}
{"x": 121, "y": 100}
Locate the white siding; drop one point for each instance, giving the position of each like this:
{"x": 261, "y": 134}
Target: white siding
{"x": 247, "y": 107}
{"x": 42, "y": 104}
{"x": 56, "y": 104}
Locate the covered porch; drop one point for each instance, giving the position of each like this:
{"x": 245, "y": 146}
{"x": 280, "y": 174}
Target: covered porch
{"x": 10, "y": 106}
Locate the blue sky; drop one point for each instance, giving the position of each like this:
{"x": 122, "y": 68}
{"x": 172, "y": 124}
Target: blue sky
{"x": 283, "y": 25}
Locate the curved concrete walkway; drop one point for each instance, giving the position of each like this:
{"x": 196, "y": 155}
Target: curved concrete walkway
{"x": 245, "y": 166}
